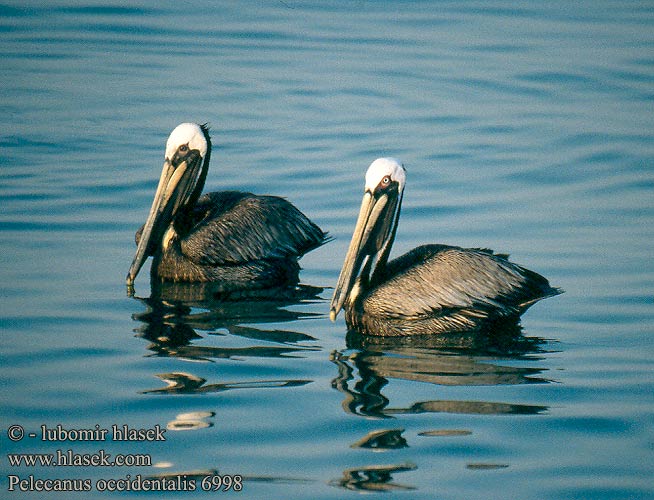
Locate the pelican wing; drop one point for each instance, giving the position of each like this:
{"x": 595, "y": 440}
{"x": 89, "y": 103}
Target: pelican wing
{"x": 435, "y": 280}
{"x": 232, "y": 227}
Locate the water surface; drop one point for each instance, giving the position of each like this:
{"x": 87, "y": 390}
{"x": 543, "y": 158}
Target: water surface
{"x": 525, "y": 128}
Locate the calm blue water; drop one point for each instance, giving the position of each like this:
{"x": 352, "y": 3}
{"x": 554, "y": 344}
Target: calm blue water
{"x": 525, "y": 128}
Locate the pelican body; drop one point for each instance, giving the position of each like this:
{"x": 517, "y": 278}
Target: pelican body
{"x": 239, "y": 241}
{"x": 432, "y": 289}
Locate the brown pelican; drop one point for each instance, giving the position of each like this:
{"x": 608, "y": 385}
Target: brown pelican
{"x": 237, "y": 240}
{"x": 433, "y": 288}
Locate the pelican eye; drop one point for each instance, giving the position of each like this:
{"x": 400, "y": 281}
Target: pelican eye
{"x": 182, "y": 154}
{"x": 384, "y": 183}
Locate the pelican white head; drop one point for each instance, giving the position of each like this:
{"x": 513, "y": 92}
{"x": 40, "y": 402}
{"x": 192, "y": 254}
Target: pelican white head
{"x": 390, "y": 169}
{"x": 190, "y": 134}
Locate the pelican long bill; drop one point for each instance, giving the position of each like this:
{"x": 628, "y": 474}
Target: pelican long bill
{"x": 174, "y": 189}
{"x": 372, "y": 230}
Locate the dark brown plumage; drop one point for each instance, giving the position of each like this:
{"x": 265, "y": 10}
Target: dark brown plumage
{"x": 452, "y": 290}
{"x": 240, "y": 240}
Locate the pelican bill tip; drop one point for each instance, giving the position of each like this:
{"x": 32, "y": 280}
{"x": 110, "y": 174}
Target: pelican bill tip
{"x": 332, "y": 315}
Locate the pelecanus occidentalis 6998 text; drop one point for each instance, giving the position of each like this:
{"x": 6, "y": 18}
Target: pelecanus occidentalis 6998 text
{"x": 431, "y": 289}
{"x": 238, "y": 240}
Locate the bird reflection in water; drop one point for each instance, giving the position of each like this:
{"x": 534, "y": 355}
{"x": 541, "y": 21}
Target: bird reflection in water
{"x": 186, "y": 383}
{"x": 373, "y": 478}
{"x": 368, "y": 364}
{"x": 175, "y": 312}
{"x": 382, "y": 440}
